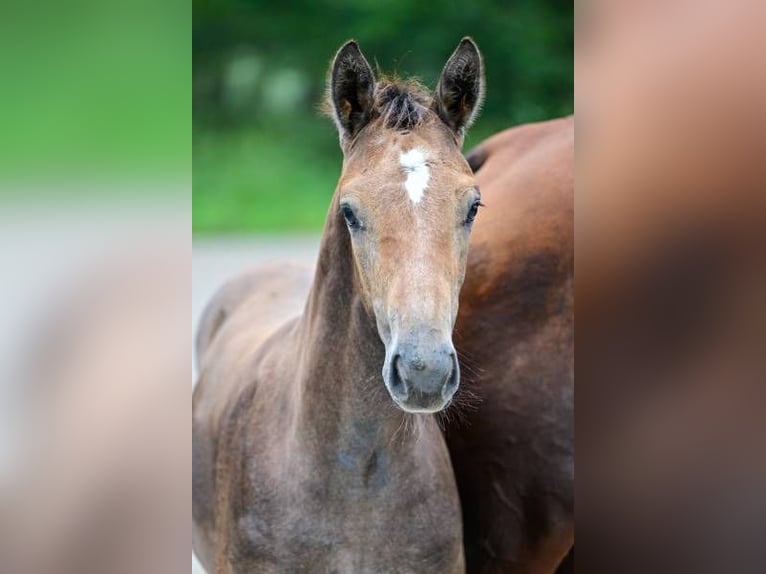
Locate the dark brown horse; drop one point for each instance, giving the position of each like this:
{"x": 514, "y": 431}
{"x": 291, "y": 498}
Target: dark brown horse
{"x": 305, "y": 458}
{"x": 514, "y": 455}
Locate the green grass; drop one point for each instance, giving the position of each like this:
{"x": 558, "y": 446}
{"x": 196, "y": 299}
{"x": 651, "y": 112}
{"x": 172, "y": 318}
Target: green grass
{"x": 256, "y": 181}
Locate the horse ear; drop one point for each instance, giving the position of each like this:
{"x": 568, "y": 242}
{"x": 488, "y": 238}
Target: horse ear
{"x": 460, "y": 91}
{"x": 351, "y": 90}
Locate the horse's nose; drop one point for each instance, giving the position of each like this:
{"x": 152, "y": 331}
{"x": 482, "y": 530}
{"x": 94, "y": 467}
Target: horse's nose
{"x": 423, "y": 378}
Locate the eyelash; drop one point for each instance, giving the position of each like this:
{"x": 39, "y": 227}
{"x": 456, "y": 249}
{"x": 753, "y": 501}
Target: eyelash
{"x": 351, "y": 220}
{"x": 473, "y": 212}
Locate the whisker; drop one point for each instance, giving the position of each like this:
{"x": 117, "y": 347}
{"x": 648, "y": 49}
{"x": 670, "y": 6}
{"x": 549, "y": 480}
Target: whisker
{"x": 396, "y": 432}
{"x": 458, "y": 411}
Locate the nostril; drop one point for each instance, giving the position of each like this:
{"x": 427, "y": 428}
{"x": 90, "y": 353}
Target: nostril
{"x": 397, "y": 381}
{"x": 454, "y": 376}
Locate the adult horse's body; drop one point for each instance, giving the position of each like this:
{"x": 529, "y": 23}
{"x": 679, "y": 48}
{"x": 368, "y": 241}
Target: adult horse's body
{"x": 514, "y": 455}
{"x": 302, "y": 461}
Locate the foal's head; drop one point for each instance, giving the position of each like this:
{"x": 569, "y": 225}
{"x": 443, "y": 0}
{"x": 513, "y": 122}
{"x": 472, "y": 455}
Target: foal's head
{"x": 409, "y": 199}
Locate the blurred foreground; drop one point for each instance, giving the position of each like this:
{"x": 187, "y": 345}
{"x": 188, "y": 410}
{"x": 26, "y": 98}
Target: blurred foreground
{"x": 94, "y": 398}
{"x": 670, "y": 284}
{"x": 95, "y": 253}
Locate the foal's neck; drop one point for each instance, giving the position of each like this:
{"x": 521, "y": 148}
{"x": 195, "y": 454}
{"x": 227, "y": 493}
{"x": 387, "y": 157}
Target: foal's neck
{"x": 341, "y": 358}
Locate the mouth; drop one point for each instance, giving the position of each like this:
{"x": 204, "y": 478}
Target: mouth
{"x": 422, "y": 410}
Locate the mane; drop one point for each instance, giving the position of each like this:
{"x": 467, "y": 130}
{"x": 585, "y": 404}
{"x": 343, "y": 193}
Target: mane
{"x": 402, "y": 104}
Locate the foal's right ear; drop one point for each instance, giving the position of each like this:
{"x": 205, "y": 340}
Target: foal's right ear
{"x": 351, "y": 90}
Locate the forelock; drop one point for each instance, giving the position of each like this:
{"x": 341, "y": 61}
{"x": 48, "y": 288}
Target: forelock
{"x": 402, "y": 105}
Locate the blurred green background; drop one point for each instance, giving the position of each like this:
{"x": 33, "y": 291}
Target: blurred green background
{"x": 264, "y": 159}
{"x": 94, "y": 90}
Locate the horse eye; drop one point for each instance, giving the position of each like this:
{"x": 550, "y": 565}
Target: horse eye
{"x": 472, "y": 212}
{"x": 350, "y": 217}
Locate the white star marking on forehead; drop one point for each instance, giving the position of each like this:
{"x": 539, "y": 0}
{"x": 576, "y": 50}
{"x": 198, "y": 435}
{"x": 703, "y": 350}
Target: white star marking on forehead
{"x": 414, "y": 164}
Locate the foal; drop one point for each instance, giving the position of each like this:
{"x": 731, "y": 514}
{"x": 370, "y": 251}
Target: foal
{"x": 302, "y": 462}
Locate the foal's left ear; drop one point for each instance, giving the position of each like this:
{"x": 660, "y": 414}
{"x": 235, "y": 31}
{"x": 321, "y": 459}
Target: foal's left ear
{"x": 460, "y": 91}
{"x": 351, "y": 90}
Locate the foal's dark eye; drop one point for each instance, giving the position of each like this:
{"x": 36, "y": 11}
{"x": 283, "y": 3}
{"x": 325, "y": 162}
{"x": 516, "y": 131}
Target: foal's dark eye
{"x": 472, "y": 212}
{"x": 350, "y": 217}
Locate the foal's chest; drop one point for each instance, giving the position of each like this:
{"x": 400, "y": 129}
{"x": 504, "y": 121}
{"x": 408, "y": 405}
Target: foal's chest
{"x": 317, "y": 526}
